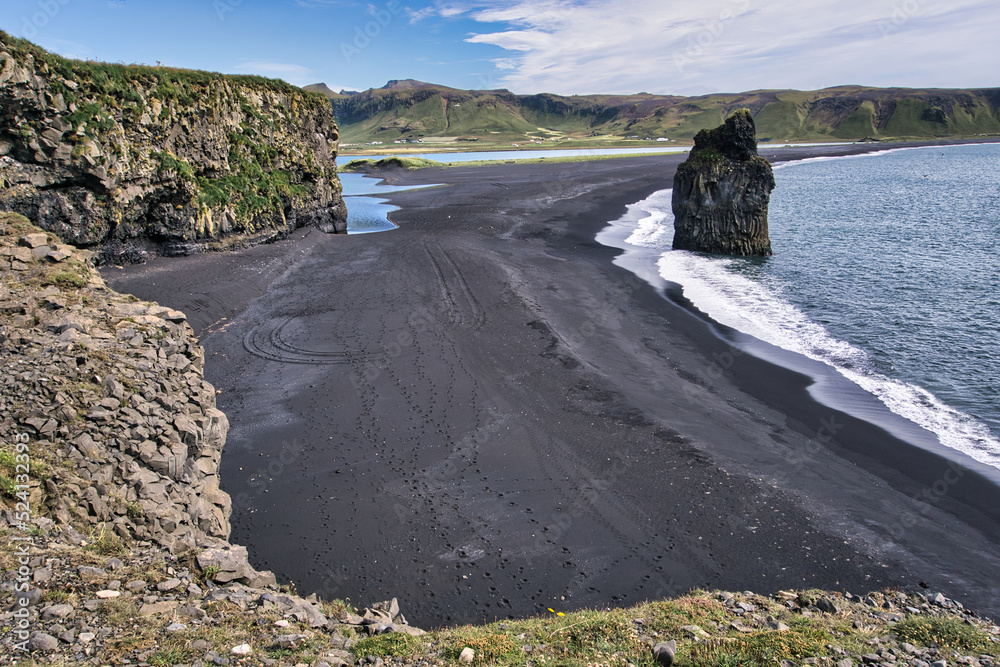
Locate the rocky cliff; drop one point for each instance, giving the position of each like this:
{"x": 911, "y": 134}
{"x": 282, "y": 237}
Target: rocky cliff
{"x": 136, "y": 159}
{"x": 721, "y": 193}
{"x": 110, "y": 392}
{"x": 110, "y": 444}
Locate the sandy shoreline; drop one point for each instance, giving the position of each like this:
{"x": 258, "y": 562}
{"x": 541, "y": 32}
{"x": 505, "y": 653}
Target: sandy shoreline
{"x": 480, "y": 414}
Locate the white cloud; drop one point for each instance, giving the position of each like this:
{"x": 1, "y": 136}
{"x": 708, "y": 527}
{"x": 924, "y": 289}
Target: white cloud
{"x": 418, "y": 15}
{"x": 581, "y": 46}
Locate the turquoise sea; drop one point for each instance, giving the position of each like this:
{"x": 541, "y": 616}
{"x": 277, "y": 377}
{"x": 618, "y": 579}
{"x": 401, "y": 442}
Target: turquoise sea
{"x": 886, "y": 267}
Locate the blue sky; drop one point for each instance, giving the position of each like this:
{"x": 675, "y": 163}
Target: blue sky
{"x": 559, "y": 46}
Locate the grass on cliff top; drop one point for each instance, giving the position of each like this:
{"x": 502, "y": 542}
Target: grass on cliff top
{"x": 118, "y": 81}
{"x": 945, "y": 632}
{"x": 622, "y": 637}
{"x": 608, "y": 637}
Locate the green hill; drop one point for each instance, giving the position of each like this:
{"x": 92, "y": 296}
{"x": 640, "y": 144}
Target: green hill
{"x": 412, "y": 110}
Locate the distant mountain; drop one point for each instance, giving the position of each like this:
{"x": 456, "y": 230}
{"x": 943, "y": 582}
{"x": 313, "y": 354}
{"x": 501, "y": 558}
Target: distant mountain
{"x": 409, "y": 109}
{"x": 409, "y": 84}
{"x": 321, "y": 88}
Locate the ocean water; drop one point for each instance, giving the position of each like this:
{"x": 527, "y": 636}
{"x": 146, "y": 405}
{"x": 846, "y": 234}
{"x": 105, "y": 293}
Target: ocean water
{"x": 886, "y": 268}
{"x": 367, "y": 212}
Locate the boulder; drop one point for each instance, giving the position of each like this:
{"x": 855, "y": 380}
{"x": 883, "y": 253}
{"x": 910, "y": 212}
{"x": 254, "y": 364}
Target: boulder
{"x": 665, "y": 652}
{"x": 42, "y": 642}
{"x": 228, "y": 564}
{"x": 36, "y": 240}
{"x": 721, "y": 193}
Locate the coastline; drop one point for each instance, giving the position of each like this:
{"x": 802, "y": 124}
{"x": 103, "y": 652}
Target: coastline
{"x": 603, "y": 337}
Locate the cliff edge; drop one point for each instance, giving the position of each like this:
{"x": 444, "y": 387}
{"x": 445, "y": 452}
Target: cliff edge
{"x": 721, "y": 193}
{"x": 113, "y": 528}
{"x": 110, "y": 393}
{"x": 138, "y": 160}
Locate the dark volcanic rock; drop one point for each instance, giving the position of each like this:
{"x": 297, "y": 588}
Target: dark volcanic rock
{"x": 722, "y": 191}
{"x": 164, "y": 162}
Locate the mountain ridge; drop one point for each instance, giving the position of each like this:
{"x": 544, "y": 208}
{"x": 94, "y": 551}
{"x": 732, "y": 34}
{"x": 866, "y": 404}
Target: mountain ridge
{"x": 404, "y": 110}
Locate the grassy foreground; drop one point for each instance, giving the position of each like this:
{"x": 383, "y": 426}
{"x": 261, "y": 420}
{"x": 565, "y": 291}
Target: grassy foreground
{"x": 234, "y": 625}
{"x": 711, "y": 629}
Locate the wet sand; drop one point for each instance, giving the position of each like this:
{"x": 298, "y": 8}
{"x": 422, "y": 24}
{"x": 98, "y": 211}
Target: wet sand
{"x": 480, "y": 414}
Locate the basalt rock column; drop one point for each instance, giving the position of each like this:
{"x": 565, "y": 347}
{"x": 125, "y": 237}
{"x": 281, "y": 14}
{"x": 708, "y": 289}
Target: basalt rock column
{"x": 721, "y": 192}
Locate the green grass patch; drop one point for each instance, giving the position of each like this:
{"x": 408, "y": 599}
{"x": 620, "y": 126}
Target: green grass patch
{"x": 491, "y": 648}
{"x": 860, "y": 124}
{"x": 106, "y": 541}
{"x": 945, "y": 632}
{"x": 8, "y": 466}
{"x": 253, "y": 187}
{"x": 93, "y": 117}
{"x": 392, "y": 645}
{"x": 759, "y": 648}
{"x": 57, "y": 596}
{"x": 167, "y": 163}
{"x": 120, "y": 611}
{"x": 12, "y": 465}
{"x": 398, "y": 162}
{"x": 171, "y": 656}
{"x": 698, "y": 608}
{"x": 707, "y": 156}
{"x": 68, "y": 277}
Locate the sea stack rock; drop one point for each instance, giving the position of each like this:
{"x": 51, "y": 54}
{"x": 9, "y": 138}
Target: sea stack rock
{"x": 722, "y": 191}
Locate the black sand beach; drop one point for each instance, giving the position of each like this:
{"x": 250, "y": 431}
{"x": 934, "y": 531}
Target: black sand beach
{"x": 480, "y": 414}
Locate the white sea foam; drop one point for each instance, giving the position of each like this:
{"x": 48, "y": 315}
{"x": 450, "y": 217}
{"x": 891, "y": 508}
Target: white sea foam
{"x": 761, "y": 310}
{"x": 655, "y": 228}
